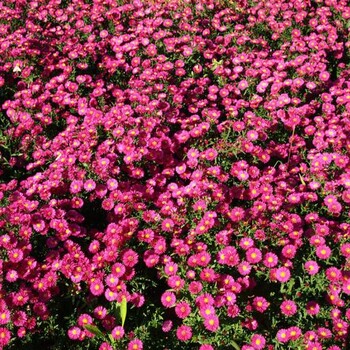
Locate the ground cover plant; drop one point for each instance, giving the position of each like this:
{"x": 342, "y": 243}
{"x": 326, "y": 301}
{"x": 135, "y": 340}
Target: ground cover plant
{"x": 174, "y": 174}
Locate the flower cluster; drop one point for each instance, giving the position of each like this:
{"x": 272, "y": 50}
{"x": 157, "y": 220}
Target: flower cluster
{"x": 189, "y": 157}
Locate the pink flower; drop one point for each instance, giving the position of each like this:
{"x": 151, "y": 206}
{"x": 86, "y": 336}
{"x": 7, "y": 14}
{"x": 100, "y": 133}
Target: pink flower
{"x": 184, "y": 333}
{"x": 76, "y": 186}
{"x": 244, "y": 268}
{"x": 74, "y": 333}
{"x": 118, "y": 332}
{"x": 228, "y": 256}
{"x": 258, "y": 341}
{"x": 206, "y": 311}
{"x": 129, "y": 258}
{"x": 96, "y": 287}
{"x": 89, "y": 185}
{"x": 324, "y": 76}
{"x": 182, "y": 309}
{"x": 206, "y": 347}
{"x": 282, "y": 336}
{"x": 112, "y": 184}
{"x": 105, "y": 346}
{"x": 168, "y": 299}
{"x": 311, "y": 267}
{"x": 282, "y": 274}
{"x": 84, "y": 319}
{"x": 253, "y": 255}
{"x": 312, "y": 308}
{"x": 167, "y": 325}
{"x": 323, "y": 252}
{"x": 211, "y": 323}
{"x": 5, "y": 336}
{"x": 288, "y": 307}
{"x": 4, "y": 316}
{"x": 294, "y": 332}
{"x": 260, "y": 304}
{"x": 333, "y": 274}
{"x": 270, "y": 260}
{"x": 135, "y": 344}
{"x": 252, "y": 135}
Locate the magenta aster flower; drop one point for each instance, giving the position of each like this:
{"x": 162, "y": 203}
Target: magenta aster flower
{"x": 96, "y": 287}
{"x": 89, "y": 185}
{"x": 118, "y": 332}
{"x": 283, "y": 336}
{"x": 311, "y": 267}
{"x": 270, "y": 260}
{"x": 258, "y": 341}
{"x": 182, "y": 309}
{"x": 211, "y": 323}
{"x": 260, "y": 304}
{"x": 244, "y": 268}
{"x": 168, "y": 299}
{"x": 323, "y": 252}
{"x": 74, "y": 333}
{"x": 206, "y": 347}
{"x": 282, "y": 274}
{"x": 184, "y": 333}
{"x": 4, "y": 317}
{"x": 288, "y": 307}
{"x": 135, "y": 344}
{"x": 312, "y": 308}
{"x": 253, "y": 255}
{"x": 167, "y": 325}
{"x": 5, "y": 336}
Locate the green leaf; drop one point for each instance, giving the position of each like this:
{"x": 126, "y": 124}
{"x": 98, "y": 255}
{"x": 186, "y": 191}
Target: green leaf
{"x": 94, "y": 330}
{"x": 123, "y": 310}
{"x": 235, "y": 345}
{"x": 111, "y": 339}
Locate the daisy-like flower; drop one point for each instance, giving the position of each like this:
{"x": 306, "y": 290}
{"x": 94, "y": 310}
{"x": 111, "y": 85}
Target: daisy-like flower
{"x": 4, "y": 316}
{"x": 84, "y": 319}
{"x": 118, "y": 332}
{"x": 244, "y": 268}
{"x": 260, "y": 304}
{"x": 258, "y": 341}
{"x": 294, "y": 333}
{"x": 312, "y": 308}
{"x": 89, "y": 185}
{"x": 206, "y": 347}
{"x": 168, "y": 299}
{"x": 228, "y": 256}
{"x": 282, "y": 274}
{"x": 206, "y": 311}
{"x": 5, "y": 336}
{"x": 184, "y": 333}
{"x": 253, "y": 255}
{"x": 96, "y": 287}
{"x": 323, "y": 252}
{"x": 270, "y": 260}
{"x": 74, "y": 333}
{"x": 100, "y": 312}
{"x": 288, "y": 307}
{"x": 311, "y": 267}
{"x": 135, "y": 344}
{"x": 211, "y": 323}
{"x": 182, "y": 309}
{"x": 283, "y": 335}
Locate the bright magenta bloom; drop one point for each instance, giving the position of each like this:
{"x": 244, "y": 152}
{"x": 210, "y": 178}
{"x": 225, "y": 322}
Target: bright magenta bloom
{"x": 282, "y": 274}
{"x": 184, "y": 333}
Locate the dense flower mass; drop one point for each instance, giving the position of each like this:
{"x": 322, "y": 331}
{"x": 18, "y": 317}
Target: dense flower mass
{"x": 175, "y": 174}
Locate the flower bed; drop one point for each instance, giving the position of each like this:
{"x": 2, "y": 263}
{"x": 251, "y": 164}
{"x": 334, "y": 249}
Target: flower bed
{"x": 174, "y": 175}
